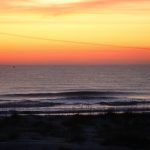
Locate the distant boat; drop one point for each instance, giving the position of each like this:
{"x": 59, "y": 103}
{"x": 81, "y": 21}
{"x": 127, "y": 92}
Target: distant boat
{"x": 13, "y": 66}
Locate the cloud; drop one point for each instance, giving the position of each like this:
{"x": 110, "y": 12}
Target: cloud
{"x": 62, "y": 8}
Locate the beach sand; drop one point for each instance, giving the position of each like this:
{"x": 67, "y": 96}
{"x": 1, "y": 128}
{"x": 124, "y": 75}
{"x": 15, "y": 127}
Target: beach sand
{"x": 109, "y": 131}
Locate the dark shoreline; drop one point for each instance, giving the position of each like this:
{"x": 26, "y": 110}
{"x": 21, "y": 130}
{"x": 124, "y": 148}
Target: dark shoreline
{"x": 78, "y": 111}
{"x": 30, "y": 104}
{"x": 109, "y": 131}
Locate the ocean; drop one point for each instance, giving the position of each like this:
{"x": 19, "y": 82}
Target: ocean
{"x": 74, "y": 89}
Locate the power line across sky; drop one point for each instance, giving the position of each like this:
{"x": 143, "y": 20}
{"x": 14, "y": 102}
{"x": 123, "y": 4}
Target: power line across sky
{"x": 69, "y": 41}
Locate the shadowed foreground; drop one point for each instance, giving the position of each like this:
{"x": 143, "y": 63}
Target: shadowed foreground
{"x": 105, "y": 131}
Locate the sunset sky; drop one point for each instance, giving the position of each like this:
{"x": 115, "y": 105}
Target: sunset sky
{"x": 74, "y": 31}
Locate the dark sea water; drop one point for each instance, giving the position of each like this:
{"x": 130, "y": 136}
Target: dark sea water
{"x": 59, "y": 89}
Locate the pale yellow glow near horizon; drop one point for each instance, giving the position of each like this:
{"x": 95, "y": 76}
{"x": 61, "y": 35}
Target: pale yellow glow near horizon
{"x": 36, "y": 3}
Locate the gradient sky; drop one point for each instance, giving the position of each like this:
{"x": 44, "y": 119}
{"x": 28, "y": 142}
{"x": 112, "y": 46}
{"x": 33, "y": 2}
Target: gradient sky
{"x": 74, "y": 31}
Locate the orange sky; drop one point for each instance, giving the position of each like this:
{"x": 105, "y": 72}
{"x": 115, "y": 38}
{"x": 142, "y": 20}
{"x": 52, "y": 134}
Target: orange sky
{"x": 74, "y": 31}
